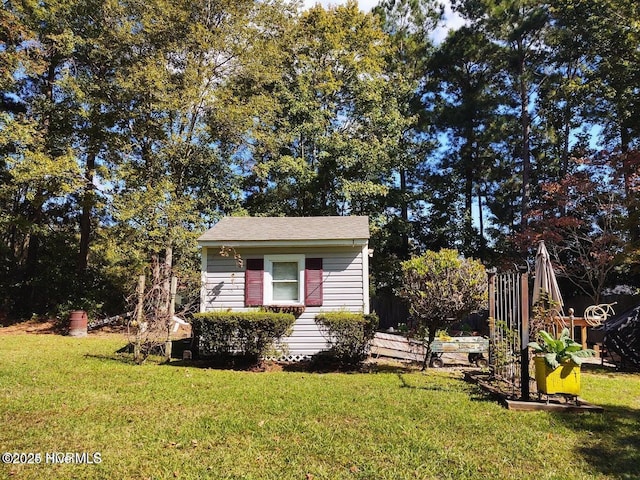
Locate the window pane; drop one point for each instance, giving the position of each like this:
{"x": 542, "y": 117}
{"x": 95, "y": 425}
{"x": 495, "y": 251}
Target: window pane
{"x": 287, "y": 291}
{"x": 285, "y": 271}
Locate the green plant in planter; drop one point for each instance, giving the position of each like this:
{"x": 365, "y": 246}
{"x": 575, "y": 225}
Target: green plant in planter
{"x": 560, "y": 350}
{"x": 558, "y": 366}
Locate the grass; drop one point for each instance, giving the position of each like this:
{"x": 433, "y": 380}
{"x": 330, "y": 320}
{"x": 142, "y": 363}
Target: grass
{"x": 60, "y": 394}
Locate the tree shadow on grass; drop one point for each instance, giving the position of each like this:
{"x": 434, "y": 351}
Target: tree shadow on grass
{"x": 155, "y": 355}
{"x": 612, "y": 443}
{"x": 237, "y": 363}
{"x": 395, "y": 368}
{"x": 611, "y": 438}
{"x": 251, "y": 364}
{"x": 478, "y": 394}
{"x": 116, "y": 357}
{"x": 322, "y": 362}
{"x": 435, "y": 385}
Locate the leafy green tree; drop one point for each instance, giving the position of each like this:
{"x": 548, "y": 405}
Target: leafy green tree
{"x": 468, "y": 99}
{"x": 106, "y": 135}
{"x": 565, "y": 96}
{"x": 170, "y": 178}
{"x": 593, "y": 48}
{"x": 39, "y": 158}
{"x": 323, "y": 148}
{"x": 127, "y": 127}
{"x": 611, "y": 31}
{"x": 442, "y": 288}
{"x": 96, "y": 66}
{"x": 408, "y": 24}
{"x": 517, "y": 27}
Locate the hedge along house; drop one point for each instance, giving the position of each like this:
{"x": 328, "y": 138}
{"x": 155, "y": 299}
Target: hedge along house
{"x": 298, "y": 264}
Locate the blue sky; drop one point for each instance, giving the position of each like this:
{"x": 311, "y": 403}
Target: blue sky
{"x": 451, "y": 20}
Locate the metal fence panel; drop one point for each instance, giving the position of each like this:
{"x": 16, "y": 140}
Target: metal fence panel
{"x": 509, "y": 330}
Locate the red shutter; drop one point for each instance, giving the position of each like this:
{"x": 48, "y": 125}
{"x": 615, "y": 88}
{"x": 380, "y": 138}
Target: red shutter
{"x": 254, "y": 282}
{"x": 313, "y": 282}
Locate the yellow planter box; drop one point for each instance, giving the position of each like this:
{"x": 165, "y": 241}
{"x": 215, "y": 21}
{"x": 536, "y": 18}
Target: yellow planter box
{"x": 564, "y": 379}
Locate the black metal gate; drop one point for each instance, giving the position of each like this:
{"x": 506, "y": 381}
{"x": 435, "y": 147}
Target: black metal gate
{"x": 509, "y": 330}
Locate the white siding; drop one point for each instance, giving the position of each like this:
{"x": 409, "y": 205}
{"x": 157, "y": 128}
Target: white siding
{"x": 343, "y": 289}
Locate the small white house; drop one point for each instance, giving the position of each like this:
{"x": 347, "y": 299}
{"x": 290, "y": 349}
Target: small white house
{"x": 311, "y": 263}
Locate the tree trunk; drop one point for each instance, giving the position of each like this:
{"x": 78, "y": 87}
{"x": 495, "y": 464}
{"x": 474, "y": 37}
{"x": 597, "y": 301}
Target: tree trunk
{"x": 168, "y": 266}
{"x": 480, "y": 216}
{"x": 138, "y": 357}
{"x": 88, "y": 200}
{"x": 468, "y": 212}
{"x": 525, "y": 123}
{"x": 628, "y": 172}
{"x": 467, "y": 159}
{"x": 32, "y": 241}
{"x": 427, "y": 357}
{"x": 156, "y": 275}
{"x": 404, "y": 213}
{"x": 564, "y": 163}
{"x": 36, "y": 210}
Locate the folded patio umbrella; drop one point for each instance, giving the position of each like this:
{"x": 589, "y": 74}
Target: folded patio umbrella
{"x": 545, "y": 278}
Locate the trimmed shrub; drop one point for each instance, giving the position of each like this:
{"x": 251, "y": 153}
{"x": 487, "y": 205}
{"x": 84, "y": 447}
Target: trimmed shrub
{"x": 349, "y": 334}
{"x": 251, "y": 335}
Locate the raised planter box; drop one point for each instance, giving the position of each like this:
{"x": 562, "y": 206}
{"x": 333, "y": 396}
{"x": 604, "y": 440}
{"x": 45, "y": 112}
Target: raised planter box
{"x": 564, "y": 379}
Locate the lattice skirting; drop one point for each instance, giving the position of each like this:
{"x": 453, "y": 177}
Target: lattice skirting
{"x": 289, "y": 358}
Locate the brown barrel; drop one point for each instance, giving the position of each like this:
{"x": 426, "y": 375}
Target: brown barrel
{"x": 78, "y": 323}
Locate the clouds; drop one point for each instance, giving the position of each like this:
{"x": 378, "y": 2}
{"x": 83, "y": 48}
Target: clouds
{"x": 452, "y": 21}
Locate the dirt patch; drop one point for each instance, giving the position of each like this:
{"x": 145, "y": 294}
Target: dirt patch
{"x": 55, "y": 327}
{"x": 41, "y": 327}
{"x": 109, "y": 330}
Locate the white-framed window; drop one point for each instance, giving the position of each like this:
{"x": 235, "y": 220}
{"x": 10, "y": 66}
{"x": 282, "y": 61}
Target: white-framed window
{"x": 284, "y": 280}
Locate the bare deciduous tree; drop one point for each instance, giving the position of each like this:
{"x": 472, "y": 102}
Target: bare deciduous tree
{"x": 155, "y": 306}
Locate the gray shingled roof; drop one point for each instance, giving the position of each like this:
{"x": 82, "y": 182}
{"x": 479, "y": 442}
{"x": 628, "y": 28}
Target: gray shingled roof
{"x": 239, "y": 229}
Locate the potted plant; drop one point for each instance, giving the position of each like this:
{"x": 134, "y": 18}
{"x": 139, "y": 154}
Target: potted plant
{"x": 558, "y": 365}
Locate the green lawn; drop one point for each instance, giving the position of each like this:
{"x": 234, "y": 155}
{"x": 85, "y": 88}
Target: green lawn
{"x": 60, "y": 394}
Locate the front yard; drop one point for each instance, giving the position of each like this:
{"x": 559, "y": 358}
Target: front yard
{"x": 61, "y": 394}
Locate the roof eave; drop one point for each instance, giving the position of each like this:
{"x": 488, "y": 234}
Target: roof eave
{"x": 344, "y": 242}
